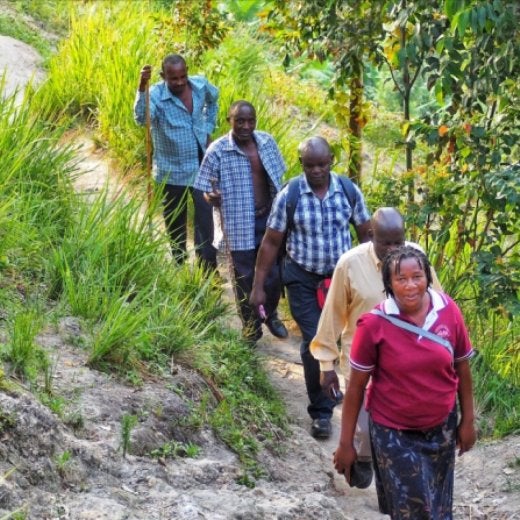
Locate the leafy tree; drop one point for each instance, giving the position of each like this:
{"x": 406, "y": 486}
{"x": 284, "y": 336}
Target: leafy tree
{"x": 344, "y": 31}
{"x": 474, "y": 70}
{"x": 411, "y": 27}
{"x": 203, "y": 26}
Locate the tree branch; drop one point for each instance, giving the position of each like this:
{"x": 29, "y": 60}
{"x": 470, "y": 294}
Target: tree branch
{"x": 416, "y": 72}
{"x": 393, "y": 77}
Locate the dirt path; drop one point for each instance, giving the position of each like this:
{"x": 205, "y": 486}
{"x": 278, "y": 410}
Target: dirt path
{"x": 303, "y": 484}
{"x": 487, "y": 479}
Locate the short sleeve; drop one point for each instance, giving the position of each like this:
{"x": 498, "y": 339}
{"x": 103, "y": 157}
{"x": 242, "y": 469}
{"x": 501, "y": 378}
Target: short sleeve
{"x": 363, "y": 352}
{"x": 360, "y": 214}
{"x": 278, "y": 217}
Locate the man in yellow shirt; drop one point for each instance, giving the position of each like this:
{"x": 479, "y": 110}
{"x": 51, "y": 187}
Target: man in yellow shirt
{"x": 356, "y": 287}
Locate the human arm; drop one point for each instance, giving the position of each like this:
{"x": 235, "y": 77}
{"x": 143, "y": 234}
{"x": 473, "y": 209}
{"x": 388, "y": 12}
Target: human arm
{"x": 213, "y": 197}
{"x": 466, "y": 434}
{"x": 140, "y": 99}
{"x": 361, "y": 218}
{"x": 211, "y": 102}
{"x": 208, "y": 177}
{"x": 333, "y": 319}
{"x": 345, "y": 454}
{"x": 273, "y": 161}
{"x": 265, "y": 259}
{"x": 144, "y": 77}
{"x": 363, "y": 232}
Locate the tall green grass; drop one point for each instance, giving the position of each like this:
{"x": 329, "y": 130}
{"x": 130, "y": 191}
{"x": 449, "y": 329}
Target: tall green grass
{"x": 94, "y": 74}
{"x": 114, "y": 270}
{"x": 35, "y": 179}
{"x": 25, "y": 358}
{"x": 35, "y": 209}
{"x": 101, "y": 260}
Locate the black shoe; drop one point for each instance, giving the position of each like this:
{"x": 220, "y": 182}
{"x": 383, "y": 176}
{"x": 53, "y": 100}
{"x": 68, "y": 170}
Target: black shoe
{"x": 276, "y": 327}
{"x": 321, "y": 428}
{"x": 361, "y": 474}
{"x": 338, "y": 396}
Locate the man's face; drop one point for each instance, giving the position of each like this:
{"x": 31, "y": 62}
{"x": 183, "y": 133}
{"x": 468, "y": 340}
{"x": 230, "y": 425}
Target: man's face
{"x": 386, "y": 240}
{"x": 243, "y": 123}
{"x": 316, "y": 163}
{"x": 176, "y": 77}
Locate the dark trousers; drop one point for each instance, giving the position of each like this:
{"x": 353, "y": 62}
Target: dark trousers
{"x": 244, "y": 270}
{"x": 301, "y": 290}
{"x": 175, "y": 211}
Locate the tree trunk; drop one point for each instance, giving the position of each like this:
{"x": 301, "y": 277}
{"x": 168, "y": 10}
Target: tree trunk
{"x": 355, "y": 127}
{"x": 407, "y": 87}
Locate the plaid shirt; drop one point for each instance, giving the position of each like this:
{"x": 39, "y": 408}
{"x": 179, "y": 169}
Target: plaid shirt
{"x": 225, "y": 162}
{"x": 321, "y": 231}
{"x": 178, "y": 135}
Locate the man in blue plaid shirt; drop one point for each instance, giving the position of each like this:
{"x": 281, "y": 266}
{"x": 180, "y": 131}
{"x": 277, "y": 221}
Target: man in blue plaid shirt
{"x": 319, "y": 235}
{"x": 183, "y": 112}
{"x": 241, "y": 172}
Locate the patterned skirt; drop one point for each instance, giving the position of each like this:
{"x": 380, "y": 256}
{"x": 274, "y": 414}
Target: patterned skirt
{"x": 414, "y": 470}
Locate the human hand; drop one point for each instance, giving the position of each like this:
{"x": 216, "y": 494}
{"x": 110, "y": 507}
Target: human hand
{"x": 329, "y": 383}
{"x": 466, "y": 436}
{"x": 343, "y": 458}
{"x": 214, "y": 198}
{"x": 146, "y": 74}
{"x": 257, "y": 300}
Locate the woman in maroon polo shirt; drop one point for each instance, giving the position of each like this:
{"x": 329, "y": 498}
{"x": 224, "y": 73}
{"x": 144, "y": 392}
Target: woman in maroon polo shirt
{"x": 414, "y": 348}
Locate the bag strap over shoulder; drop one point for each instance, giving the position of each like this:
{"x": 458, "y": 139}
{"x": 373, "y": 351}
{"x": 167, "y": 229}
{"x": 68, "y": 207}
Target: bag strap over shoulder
{"x": 415, "y": 329}
{"x": 293, "y": 194}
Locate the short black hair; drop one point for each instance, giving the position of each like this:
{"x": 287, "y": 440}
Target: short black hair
{"x": 240, "y": 103}
{"x": 172, "y": 59}
{"x": 314, "y": 142}
{"x": 395, "y": 257}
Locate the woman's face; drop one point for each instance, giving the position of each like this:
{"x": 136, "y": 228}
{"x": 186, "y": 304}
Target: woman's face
{"x": 409, "y": 285}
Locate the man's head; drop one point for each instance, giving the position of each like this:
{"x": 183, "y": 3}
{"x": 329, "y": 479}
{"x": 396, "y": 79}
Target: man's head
{"x": 175, "y": 73}
{"x": 387, "y": 231}
{"x": 242, "y": 118}
{"x": 316, "y": 159}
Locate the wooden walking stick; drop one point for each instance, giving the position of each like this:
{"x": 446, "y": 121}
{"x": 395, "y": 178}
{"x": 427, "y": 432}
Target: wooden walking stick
{"x": 149, "y": 189}
{"x": 229, "y": 259}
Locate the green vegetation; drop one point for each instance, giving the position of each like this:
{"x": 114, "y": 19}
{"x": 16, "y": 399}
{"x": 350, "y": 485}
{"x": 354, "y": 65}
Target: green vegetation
{"x": 174, "y": 449}
{"x": 103, "y": 263}
{"x": 128, "y": 423}
{"x": 11, "y": 25}
{"x": 100, "y": 261}
{"x": 63, "y": 460}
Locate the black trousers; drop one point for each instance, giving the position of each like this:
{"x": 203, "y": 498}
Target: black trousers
{"x": 244, "y": 270}
{"x": 175, "y": 211}
{"x": 301, "y": 288}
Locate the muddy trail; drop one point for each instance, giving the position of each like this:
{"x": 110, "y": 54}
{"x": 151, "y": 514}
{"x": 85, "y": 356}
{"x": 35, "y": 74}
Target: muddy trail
{"x": 94, "y": 481}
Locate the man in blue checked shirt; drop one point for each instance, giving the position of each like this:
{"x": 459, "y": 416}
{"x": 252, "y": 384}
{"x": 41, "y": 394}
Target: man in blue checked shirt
{"x": 183, "y": 112}
{"x": 241, "y": 172}
{"x": 319, "y": 235}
